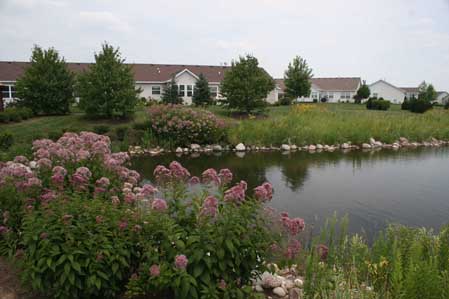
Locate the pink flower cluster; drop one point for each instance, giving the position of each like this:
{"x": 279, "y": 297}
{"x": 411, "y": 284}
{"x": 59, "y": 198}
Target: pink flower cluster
{"x": 293, "y": 248}
{"x": 155, "y": 270}
{"x": 209, "y": 207}
{"x": 237, "y": 193}
{"x": 80, "y": 179}
{"x": 18, "y": 174}
{"x": 184, "y": 124}
{"x": 181, "y": 261}
{"x": 159, "y": 204}
{"x": 174, "y": 173}
{"x": 58, "y": 177}
{"x": 223, "y": 177}
{"x": 264, "y": 192}
{"x": 293, "y": 225}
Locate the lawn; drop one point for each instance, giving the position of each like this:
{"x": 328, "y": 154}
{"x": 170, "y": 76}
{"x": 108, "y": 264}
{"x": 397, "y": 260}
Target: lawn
{"x": 299, "y": 124}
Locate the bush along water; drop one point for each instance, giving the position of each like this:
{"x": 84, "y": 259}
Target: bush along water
{"x": 82, "y": 225}
{"x": 182, "y": 126}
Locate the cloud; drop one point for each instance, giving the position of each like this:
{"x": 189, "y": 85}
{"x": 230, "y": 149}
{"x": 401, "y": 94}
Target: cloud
{"x": 105, "y": 19}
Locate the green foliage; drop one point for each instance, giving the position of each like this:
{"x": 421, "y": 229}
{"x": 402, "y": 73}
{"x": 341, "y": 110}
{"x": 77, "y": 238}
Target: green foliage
{"x": 406, "y": 104}
{"x": 15, "y": 114}
{"x": 120, "y": 133}
{"x": 427, "y": 95}
{"x": 245, "y": 86}
{"x": 6, "y": 140}
{"x": 297, "y": 78}
{"x": 285, "y": 101}
{"x": 101, "y": 129}
{"x": 377, "y": 104}
{"x": 201, "y": 92}
{"x": 47, "y": 85}
{"x": 446, "y": 106}
{"x": 171, "y": 93}
{"x": 79, "y": 257}
{"x": 182, "y": 126}
{"x": 362, "y": 93}
{"x": 107, "y": 88}
{"x": 419, "y": 105}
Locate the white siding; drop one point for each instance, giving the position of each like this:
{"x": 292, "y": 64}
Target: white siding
{"x": 382, "y": 89}
{"x": 186, "y": 79}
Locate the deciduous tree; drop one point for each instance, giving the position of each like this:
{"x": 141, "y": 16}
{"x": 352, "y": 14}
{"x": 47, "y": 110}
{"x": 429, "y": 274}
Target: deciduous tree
{"x": 297, "y": 78}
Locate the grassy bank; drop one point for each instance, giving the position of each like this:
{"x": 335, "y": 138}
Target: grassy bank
{"x": 337, "y": 123}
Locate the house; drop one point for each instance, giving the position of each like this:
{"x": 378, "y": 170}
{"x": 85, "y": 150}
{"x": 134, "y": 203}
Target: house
{"x": 383, "y": 89}
{"x": 411, "y": 92}
{"x": 151, "y": 78}
{"x": 442, "y": 97}
{"x": 333, "y": 90}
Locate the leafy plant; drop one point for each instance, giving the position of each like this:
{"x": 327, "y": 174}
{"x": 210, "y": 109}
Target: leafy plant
{"x": 297, "y": 79}
{"x": 6, "y": 140}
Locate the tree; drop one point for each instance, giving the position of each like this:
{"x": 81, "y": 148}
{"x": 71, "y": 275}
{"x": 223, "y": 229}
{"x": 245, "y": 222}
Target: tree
{"x": 406, "y": 104}
{"x": 427, "y": 95}
{"x": 245, "y": 86}
{"x": 107, "y": 88}
{"x": 362, "y": 93}
{"x": 171, "y": 94}
{"x": 297, "y": 78}
{"x": 201, "y": 92}
{"x": 47, "y": 84}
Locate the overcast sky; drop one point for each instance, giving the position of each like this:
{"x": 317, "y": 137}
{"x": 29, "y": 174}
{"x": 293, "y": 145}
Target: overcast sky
{"x": 402, "y": 41}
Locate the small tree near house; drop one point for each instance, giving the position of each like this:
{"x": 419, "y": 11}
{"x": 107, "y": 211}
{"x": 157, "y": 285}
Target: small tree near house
{"x": 201, "y": 92}
{"x": 107, "y": 89}
{"x": 297, "y": 79}
{"x": 245, "y": 86}
{"x": 362, "y": 93}
{"x": 47, "y": 84}
{"x": 171, "y": 93}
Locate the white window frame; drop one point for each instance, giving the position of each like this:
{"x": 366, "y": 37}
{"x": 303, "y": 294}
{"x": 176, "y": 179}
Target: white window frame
{"x": 314, "y": 95}
{"x": 182, "y": 90}
{"x": 213, "y": 90}
{"x": 189, "y": 90}
{"x": 8, "y": 91}
{"x": 156, "y": 86}
{"x": 330, "y": 95}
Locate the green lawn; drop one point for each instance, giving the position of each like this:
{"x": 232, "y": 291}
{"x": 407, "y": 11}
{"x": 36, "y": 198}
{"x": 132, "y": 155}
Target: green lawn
{"x": 323, "y": 123}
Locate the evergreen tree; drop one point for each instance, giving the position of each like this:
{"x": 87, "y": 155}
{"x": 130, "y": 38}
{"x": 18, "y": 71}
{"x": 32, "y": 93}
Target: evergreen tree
{"x": 427, "y": 95}
{"x": 245, "y": 86}
{"x": 297, "y": 78}
{"x": 47, "y": 85}
{"x": 362, "y": 93}
{"x": 171, "y": 93}
{"x": 201, "y": 93}
{"x": 107, "y": 88}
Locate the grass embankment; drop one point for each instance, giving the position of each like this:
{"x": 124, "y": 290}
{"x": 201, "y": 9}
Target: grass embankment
{"x": 338, "y": 123}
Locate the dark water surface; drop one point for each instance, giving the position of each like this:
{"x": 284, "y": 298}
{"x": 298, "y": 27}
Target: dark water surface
{"x": 374, "y": 188}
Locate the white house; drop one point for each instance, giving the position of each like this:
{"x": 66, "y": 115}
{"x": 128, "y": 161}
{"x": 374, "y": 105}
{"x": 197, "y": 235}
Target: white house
{"x": 333, "y": 90}
{"x": 442, "y": 97}
{"x": 383, "y": 89}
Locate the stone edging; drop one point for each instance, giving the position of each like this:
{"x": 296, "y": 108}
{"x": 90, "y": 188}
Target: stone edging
{"x": 347, "y": 146}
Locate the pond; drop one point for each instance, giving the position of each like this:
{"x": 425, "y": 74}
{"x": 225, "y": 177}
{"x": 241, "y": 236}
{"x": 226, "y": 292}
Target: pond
{"x": 373, "y": 188}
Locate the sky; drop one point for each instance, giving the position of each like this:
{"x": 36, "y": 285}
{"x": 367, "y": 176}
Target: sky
{"x": 401, "y": 41}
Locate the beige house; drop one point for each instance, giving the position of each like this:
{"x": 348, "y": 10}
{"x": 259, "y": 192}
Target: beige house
{"x": 332, "y": 90}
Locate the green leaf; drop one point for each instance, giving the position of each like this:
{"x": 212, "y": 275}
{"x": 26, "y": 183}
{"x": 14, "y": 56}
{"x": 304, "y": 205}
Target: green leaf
{"x": 198, "y": 270}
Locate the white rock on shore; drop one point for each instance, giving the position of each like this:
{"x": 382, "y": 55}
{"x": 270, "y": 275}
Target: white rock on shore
{"x": 285, "y": 147}
{"x": 279, "y": 292}
{"x": 240, "y": 147}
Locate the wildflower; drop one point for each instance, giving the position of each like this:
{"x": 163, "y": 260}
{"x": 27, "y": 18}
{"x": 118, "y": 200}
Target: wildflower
{"x": 293, "y": 249}
{"x": 159, "y": 205}
{"x": 130, "y": 198}
{"x": 6, "y": 215}
{"x": 48, "y": 195}
{"x": 237, "y": 193}
{"x": 3, "y": 229}
{"x": 99, "y": 219}
{"x": 178, "y": 172}
{"x": 66, "y": 218}
{"x": 123, "y": 225}
{"x": 103, "y": 182}
{"x": 80, "y": 179}
{"x": 99, "y": 257}
{"x": 292, "y": 225}
{"x": 210, "y": 176}
{"x": 162, "y": 174}
{"x": 155, "y": 270}
{"x": 44, "y": 163}
{"x": 43, "y": 236}
{"x": 210, "y": 206}
{"x": 323, "y": 251}
{"x": 225, "y": 176}
{"x": 115, "y": 200}
{"x": 264, "y": 192}
{"x": 194, "y": 180}
{"x": 21, "y": 160}
{"x": 137, "y": 228}
{"x": 181, "y": 261}
{"x": 222, "y": 284}
{"x": 148, "y": 190}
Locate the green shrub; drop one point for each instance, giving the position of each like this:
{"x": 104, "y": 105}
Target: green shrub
{"x": 76, "y": 249}
{"x": 285, "y": 101}
{"x": 377, "y": 104}
{"x": 15, "y": 114}
{"x": 405, "y": 104}
{"x": 101, "y": 129}
{"x": 446, "y": 106}
{"x": 141, "y": 126}
{"x": 120, "y": 133}
{"x": 420, "y": 105}
{"x": 6, "y": 140}
{"x": 183, "y": 126}
{"x": 55, "y": 135}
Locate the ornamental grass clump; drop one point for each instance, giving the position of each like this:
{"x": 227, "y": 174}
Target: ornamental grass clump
{"x": 80, "y": 224}
{"x": 182, "y": 126}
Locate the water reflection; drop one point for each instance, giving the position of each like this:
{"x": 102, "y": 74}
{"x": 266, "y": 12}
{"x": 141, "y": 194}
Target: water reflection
{"x": 373, "y": 188}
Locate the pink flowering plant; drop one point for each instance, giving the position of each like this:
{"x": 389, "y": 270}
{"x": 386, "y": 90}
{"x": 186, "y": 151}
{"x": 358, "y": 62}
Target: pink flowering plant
{"x": 184, "y": 126}
{"x": 83, "y": 225}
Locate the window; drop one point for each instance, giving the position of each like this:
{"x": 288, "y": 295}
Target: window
{"x": 189, "y": 90}
{"x": 155, "y": 90}
{"x": 314, "y": 95}
{"x": 213, "y": 91}
{"x": 330, "y": 95}
{"x": 182, "y": 90}
{"x": 374, "y": 94}
{"x": 5, "y": 91}
{"x": 345, "y": 95}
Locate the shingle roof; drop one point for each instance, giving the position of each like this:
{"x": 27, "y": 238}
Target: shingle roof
{"x": 330, "y": 84}
{"x": 12, "y": 70}
{"x": 410, "y": 89}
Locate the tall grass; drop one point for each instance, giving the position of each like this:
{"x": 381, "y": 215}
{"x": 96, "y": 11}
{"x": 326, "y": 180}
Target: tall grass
{"x": 319, "y": 124}
{"x": 401, "y": 262}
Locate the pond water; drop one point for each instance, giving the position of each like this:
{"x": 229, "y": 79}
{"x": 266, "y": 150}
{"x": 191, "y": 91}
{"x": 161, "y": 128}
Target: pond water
{"x": 373, "y": 188}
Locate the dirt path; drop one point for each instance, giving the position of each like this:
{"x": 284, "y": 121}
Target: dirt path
{"x": 10, "y": 286}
